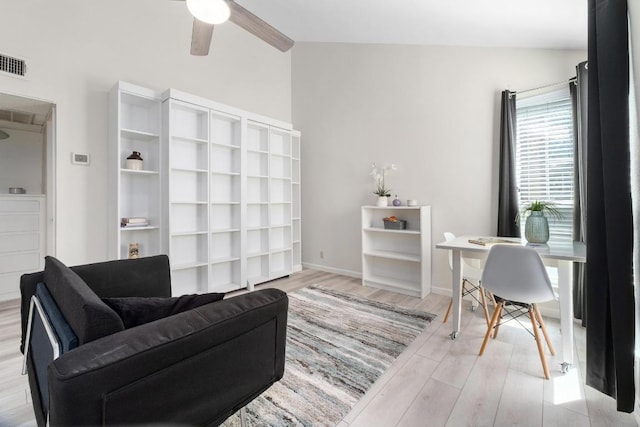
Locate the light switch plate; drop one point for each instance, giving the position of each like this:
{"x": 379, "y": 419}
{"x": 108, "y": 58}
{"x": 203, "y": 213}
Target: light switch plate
{"x": 80, "y": 159}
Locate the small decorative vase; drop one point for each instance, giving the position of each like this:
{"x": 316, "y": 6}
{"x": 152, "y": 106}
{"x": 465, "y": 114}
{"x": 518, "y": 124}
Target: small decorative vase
{"x": 134, "y": 250}
{"x": 396, "y": 201}
{"x": 134, "y": 161}
{"x": 382, "y": 201}
{"x": 536, "y": 228}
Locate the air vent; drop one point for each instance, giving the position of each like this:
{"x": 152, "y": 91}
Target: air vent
{"x": 12, "y": 65}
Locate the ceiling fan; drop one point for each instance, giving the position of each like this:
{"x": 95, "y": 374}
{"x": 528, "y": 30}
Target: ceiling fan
{"x": 208, "y": 13}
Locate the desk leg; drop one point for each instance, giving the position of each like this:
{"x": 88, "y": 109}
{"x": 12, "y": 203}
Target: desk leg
{"x": 565, "y": 290}
{"x": 456, "y": 291}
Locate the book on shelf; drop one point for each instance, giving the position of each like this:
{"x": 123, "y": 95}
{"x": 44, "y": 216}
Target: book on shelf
{"x": 134, "y": 222}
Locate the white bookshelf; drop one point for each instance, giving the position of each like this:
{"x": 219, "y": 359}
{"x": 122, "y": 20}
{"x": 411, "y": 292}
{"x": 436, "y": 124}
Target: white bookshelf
{"x": 220, "y": 187}
{"x": 397, "y": 260}
{"x": 135, "y": 125}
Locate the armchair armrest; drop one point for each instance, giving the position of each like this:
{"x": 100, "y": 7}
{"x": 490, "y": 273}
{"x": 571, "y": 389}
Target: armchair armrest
{"x": 197, "y": 367}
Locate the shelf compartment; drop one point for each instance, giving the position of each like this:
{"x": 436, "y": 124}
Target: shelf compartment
{"x": 188, "y": 218}
{"x": 149, "y": 150}
{"x": 189, "y": 280}
{"x": 257, "y": 269}
{"x": 257, "y": 215}
{"x": 280, "y": 142}
{"x": 280, "y": 167}
{"x": 295, "y": 198}
{"x": 189, "y": 122}
{"x": 147, "y": 238}
{"x": 139, "y": 114}
{"x": 225, "y": 276}
{"x": 281, "y": 263}
{"x": 258, "y": 241}
{"x": 280, "y": 191}
{"x": 280, "y": 214}
{"x": 188, "y": 186}
{"x": 257, "y": 164}
{"x": 297, "y": 254}
{"x": 225, "y": 188}
{"x": 280, "y": 239}
{"x": 257, "y": 137}
{"x": 225, "y": 159}
{"x": 257, "y": 190}
{"x": 296, "y": 230}
{"x": 225, "y": 129}
{"x": 225, "y": 217}
{"x": 189, "y": 249}
{"x": 373, "y": 219}
{"x": 225, "y": 245}
{"x": 295, "y": 171}
{"x": 392, "y": 272}
{"x": 392, "y": 243}
{"x": 140, "y": 196}
{"x": 187, "y": 154}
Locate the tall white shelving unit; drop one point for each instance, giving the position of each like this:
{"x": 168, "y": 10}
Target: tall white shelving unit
{"x": 220, "y": 187}
{"x": 186, "y": 131}
{"x": 135, "y": 125}
{"x": 397, "y": 260}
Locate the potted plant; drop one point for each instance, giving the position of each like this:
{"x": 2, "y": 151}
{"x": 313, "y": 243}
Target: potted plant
{"x": 536, "y": 226}
{"x": 379, "y": 175}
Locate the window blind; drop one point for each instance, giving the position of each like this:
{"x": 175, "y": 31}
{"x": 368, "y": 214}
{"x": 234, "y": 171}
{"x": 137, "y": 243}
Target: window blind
{"x": 544, "y": 155}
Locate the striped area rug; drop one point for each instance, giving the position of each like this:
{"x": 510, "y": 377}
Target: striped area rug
{"x": 337, "y": 346}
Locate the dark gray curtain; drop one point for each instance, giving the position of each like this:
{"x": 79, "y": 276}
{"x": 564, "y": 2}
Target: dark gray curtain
{"x": 610, "y": 293}
{"x": 579, "y": 97}
{"x": 507, "y": 189}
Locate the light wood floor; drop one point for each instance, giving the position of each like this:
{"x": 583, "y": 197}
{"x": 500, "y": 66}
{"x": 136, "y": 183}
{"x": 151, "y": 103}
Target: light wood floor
{"x": 435, "y": 382}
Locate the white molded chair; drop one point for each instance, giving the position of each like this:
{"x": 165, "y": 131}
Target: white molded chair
{"x": 470, "y": 283}
{"x": 518, "y": 279}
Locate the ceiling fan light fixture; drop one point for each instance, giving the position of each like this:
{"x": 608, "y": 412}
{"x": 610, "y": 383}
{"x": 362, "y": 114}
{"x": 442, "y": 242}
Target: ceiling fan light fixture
{"x": 209, "y": 11}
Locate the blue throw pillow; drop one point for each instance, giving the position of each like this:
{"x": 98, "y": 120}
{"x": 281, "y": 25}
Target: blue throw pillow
{"x": 136, "y": 311}
{"x": 67, "y": 339}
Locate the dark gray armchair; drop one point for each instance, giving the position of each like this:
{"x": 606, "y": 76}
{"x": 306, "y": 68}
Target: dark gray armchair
{"x": 196, "y": 367}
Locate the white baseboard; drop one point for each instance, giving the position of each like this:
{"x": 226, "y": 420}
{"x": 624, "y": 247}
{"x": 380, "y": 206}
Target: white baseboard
{"x": 356, "y": 274}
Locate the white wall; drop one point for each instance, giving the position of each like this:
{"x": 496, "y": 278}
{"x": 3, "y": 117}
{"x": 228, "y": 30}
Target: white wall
{"x": 77, "y": 50}
{"x": 433, "y": 111}
{"x": 21, "y": 157}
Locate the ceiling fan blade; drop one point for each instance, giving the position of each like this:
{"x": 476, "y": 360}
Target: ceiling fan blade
{"x": 201, "y": 38}
{"x": 259, "y": 28}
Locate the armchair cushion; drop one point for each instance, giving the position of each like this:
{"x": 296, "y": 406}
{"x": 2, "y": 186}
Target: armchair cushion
{"x": 88, "y": 316}
{"x": 136, "y": 311}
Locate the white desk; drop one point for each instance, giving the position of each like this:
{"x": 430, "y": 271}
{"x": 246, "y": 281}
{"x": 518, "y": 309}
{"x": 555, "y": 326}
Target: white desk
{"x": 554, "y": 254}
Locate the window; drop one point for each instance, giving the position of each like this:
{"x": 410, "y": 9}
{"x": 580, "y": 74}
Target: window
{"x": 544, "y": 155}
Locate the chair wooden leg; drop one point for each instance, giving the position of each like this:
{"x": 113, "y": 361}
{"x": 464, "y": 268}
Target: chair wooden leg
{"x": 497, "y": 325}
{"x": 544, "y": 329}
{"x": 484, "y": 306}
{"x": 494, "y": 319}
{"x": 543, "y": 358}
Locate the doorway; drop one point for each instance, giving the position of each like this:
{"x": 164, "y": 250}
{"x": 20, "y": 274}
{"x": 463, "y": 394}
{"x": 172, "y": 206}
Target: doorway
{"x": 27, "y": 188}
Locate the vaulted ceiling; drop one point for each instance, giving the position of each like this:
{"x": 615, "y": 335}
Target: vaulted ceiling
{"x": 556, "y": 24}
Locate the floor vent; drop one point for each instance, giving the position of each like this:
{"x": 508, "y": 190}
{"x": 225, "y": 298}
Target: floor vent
{"x": 12, "y": 65}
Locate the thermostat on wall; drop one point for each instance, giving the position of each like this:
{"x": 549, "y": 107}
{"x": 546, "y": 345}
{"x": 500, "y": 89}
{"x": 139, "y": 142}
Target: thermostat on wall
{"x": 80, "y": 159}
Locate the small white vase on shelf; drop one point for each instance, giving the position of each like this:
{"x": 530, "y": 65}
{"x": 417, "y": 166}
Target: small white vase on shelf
{"x": 382, "y": 201}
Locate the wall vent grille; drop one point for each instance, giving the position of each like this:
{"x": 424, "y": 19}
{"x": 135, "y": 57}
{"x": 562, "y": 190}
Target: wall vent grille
{"x": 12, "y": 65}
